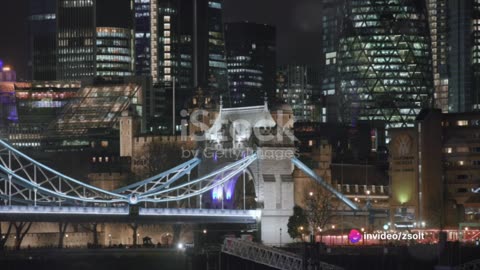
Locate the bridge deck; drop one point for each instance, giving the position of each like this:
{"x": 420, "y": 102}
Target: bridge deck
{"x": 122, "y": 214}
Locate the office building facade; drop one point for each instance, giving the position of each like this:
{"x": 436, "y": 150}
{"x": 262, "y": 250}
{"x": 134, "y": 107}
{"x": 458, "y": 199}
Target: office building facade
{"x": 384, "y": 59}
{"x": 438, "y": 22}
{"x": 42, "y": 45}
{"x": 88, "y": 32}
{"x": 251, "y": 57}
{"x": 181, "y": 39}
{"x": 332, "y": 17}
{"x": 434, "y": 168}
{"x": 296, "y": 86}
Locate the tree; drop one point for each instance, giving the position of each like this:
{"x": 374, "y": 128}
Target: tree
{"x": 4, "y": 237}
{"x": 92, "y": 227}
{"x": 134, "y": 227}
{"x": 318, "y": 205}
{"x": 21, "y": 229}
{"x": 62, "y": 228}
{"x": 297, "y": 223}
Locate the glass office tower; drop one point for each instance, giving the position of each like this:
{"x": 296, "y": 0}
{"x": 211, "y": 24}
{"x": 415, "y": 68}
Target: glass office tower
{"x": 251, "y": 57}
{"x": 384, "y": 58}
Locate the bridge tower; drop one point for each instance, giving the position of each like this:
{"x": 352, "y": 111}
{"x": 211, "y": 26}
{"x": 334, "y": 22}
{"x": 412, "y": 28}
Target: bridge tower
{"x": 267, "y": 184}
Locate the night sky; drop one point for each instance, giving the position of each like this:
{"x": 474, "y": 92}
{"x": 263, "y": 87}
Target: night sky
{"x": 297, "y": 22}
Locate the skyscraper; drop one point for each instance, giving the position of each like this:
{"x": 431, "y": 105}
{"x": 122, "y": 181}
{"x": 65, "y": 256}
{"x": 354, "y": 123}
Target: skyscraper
{"x": 80, "y": 47}
{"x": 181, "y": 39}
{"x": 75, "y": 39}
{"x": 42, "y": 30}
{"x": 296, "y": 86}
{"x": 438, "y": 21}
{"x": 251, "y": 57}
{"x": 332, "y": 17}
{"x": 384, "y": 58}
{"x": 460, "y": 98}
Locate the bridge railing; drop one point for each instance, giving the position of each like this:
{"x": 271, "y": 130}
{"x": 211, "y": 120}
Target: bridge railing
{"x": 261, "y": 254}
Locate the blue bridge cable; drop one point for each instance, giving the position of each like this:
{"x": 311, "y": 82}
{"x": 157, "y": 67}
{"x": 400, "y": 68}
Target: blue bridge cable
{"x": 160, "y": 189}
{"x": 191, "y": 164}
{"x": 246, "y": 163}
{"x": 30, "y": 185}
{"x": 324, "y": 184}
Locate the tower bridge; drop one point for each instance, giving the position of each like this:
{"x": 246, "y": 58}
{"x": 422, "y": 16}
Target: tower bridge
{"x": 252, "y": 186}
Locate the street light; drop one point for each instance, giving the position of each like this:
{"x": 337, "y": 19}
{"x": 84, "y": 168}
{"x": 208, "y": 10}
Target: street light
{"x": 333, "y": 226}
{"x": 310, "y": 194}
{"x": 204, "y": 231}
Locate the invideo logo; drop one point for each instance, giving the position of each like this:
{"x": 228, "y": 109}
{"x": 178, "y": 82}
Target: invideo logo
{"x": 354, "y": 236}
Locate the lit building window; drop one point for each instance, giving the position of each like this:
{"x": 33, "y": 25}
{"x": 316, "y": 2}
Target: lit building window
{"x": 166, "y": 19}
{"x": 462, "y": 123}
{"x": 461, "y": 162}
{"x": 448, "y": 150}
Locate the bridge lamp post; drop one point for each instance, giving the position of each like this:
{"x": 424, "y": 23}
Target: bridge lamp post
{"x": 138, "y": 236}
{"x": 280, "y": 237}
{"x": 312, "y": 239}
{"x": 109, "y": 239}
{"x": 301, "y": 231}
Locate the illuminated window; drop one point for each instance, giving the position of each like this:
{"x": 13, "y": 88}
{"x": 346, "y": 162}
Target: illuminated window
{"x": 462, "y": 123}
{"x": 166, "y": 18}
{"x": 166, "y": 26}
{"x": 461, "y": 163}
{"x": 167, "y": 55}
{"x": 168, "y": 63}
{"x": 166, "y": 33}
{"x": 448, "y": 150}
{"x": 104, "y": 144}
{"x": 462, "y": 149}
{"x": 167, "y": 48}
{"x": 167, "y": 70}
{"x": 310, "y": 143}
{"x": 167, "y": 78}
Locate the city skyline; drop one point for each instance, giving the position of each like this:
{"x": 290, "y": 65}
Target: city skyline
{"x": 296, "y": 22}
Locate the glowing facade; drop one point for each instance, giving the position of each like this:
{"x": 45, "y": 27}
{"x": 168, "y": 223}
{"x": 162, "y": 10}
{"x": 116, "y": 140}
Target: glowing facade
{"x": 384, "y": 62}
{"x": 114, "y": 52}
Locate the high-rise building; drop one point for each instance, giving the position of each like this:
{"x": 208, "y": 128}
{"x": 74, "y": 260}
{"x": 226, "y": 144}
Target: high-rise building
{"x": 384, "y": 58}
{"x": 42, "y": 35}
{"x": 476, "y": 55}
{"x": 460, "y": 56}
{"x": 75, "y": 39}
{"x": 181, "y": 39}
{"x": 332, "y": 16}
{"x": 296, "y": 86}
{"x": 82, "y": 51}
{"x": 251, "y": 57}
{"x": 438, "y": 21}
{"x": 114, "y": 55}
